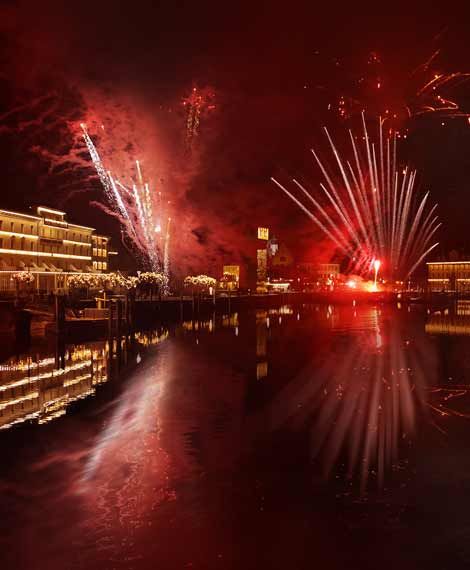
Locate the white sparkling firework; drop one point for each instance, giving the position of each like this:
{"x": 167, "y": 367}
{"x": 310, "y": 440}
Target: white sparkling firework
{"x": 370, "y": 210}
{"x": 134, "y": 209}
{"x": 166, "y": 258}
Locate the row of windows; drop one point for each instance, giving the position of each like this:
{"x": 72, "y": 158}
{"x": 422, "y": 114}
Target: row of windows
{"x": 442, "y": 271}
{"x": 448, "y": 266}
{"x": 17, "y": 227}
{"x": 46, "y": 231}
{"x": 102, "y": 265}
{"x": 459, "y": 286}
{"x": 59, "y": 233}
{"x": 99, "y": 252}
{"x": 27, "y": 245}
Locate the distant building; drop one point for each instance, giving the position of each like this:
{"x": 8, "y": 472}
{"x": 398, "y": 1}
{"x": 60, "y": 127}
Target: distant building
{"x": 319, "y": 271}
{"x": 262, "y": 259}
{"x": 231, "y": 278}
{"x": 282, "y": 258}
{"x": 314, "y": 275}
{"x": 49, "y": 247}
{"x": 449, "y": 276}
{"x": 273, "y": 246}
{"x": 327, "y": 270}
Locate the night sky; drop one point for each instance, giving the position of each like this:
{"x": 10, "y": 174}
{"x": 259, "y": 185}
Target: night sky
{"x": 273, "y": 70}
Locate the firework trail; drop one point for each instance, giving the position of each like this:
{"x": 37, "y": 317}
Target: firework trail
{"x": 133, "y": 208}
{"x": 423, "y": 91}
{"x": 371, "y": 210}
{"x": 105, "y": 177}
{"x": 434, "y": 96}
{"x": 196, "y": 104}
{"x": 166, "y": 258}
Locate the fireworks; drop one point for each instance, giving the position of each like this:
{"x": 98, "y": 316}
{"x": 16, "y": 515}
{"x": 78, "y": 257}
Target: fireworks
{"x": 135, "y": 211}
{"x": 423, "y": 91}
{"x": 435, "y": 96}
{"x": 196, "y": 104}
{"x": 371, "y": 211}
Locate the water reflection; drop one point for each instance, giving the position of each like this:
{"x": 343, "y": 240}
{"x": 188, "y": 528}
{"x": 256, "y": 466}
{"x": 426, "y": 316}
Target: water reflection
{"x": 361, "y": 394}
{"x": 39, "y": 387}
{"x": 230, "y": 321}
{"x": 262, "y": 324}
{"x": 453, "y": 320}
{"x": 203, "y": 442}
{"x": 451, "y": 398}
{"x": 369, "y": 392}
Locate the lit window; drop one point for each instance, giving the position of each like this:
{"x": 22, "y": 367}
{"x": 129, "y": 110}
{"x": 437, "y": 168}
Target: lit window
{"x": 105, "y": 265}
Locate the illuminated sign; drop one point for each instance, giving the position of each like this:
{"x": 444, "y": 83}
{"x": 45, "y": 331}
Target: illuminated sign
{"x": 263, "y": 233}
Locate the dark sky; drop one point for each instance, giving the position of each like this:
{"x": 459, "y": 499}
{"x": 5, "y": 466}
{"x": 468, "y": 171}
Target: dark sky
{"x": 273, "y": 68}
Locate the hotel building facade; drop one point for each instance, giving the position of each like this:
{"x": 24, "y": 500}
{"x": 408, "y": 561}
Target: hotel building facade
{"x": 49, "y": 247}
{"x": 452, "y": 276}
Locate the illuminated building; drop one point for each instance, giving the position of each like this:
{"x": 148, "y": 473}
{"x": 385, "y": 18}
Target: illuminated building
{"x": 49, "y": 247}
{"x": 282, "y": 258}
{"x": 261, "y": 266}
{"x": 273, "y": 246}
{"x": 263, "y": 234}
{"x": 327, "y": 270}
{"x": 231, "y": 277}
{"x": 316, "y": 275}
{"x": 262, "y": 259}
{"x": 281, "y": 266}
{"x": 449, "y": 276}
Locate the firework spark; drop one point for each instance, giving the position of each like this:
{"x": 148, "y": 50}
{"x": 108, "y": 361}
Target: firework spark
{"x": 423, "y": 91}
{"x": 166, "y": 257}
{"x": 134, "y": 209}
{"x": 371, "y": 210}
{"x": 196, "y": 104}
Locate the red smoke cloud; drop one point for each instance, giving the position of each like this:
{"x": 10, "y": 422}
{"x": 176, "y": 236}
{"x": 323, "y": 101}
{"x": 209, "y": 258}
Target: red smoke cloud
{"x": 89, "y": 65}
